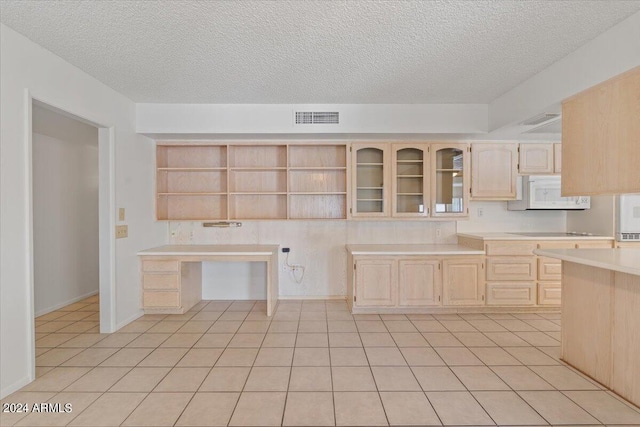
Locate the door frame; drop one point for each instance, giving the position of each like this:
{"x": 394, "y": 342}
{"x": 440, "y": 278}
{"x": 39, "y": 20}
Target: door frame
{"x": 106, "y": 216}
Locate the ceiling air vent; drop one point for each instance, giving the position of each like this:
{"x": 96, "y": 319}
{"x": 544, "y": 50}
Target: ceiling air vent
{"x": 540, "y": 118}
{"x": 317, "y": 118}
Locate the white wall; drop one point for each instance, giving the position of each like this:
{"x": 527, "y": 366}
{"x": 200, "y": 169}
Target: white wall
{"x": 496, "y": 217}
{"x": 65, "y": 210}
{"x": 279, "y": 119}
{"x": 26, "y": 66}
{"x": 600, "y": 219}
{"x": 318, "y": 245}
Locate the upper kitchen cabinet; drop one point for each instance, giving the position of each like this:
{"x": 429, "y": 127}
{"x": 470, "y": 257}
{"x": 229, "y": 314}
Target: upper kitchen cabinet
{"x": 450, "y": 180}
{"x": 557, "y": 158}
{"x": 536, "y": 159}
{"x": 494, "y": 170}
{"x": 410, "y": 180}
{"x": 601, "y": 134}
{"x": 370, "y": 182}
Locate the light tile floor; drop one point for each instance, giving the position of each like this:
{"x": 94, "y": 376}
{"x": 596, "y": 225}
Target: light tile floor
{"x": 226, "y": 363}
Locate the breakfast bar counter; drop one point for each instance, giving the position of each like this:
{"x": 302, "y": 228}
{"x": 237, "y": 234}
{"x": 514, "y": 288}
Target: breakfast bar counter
{"x": 601, "y": 315}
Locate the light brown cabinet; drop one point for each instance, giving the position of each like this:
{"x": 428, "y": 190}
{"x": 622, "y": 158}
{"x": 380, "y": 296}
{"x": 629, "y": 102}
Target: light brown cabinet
{"x": 413, "y": 180}
{"x": 494, "y": 170}
{"x": 169, "y": 286}
{"x": 410, "y": 170}
{"x": 419, "y": 282}
{"x": 537, "y": 159}
{"x": 557, "y": 158}
{"x": 243, "y": 182}
{"x": 414, "y": 282}
{"x": 370, "y": 178}
{"x": 463, "y": 282}
{"x": 450, "y": 180}
{"x": 516, "y": 276}
{"x": 376, "y": 282}
{"x": 600, "y": 134}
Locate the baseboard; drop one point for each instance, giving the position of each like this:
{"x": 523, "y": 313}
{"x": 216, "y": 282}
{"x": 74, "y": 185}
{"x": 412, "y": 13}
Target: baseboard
{"x": 63, "y": 304}
{"x": 129, "y": 320}
{"x": 14, "y": 387}
{"x": 312, "y": 297}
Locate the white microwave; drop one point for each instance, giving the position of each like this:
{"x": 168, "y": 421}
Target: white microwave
{"x": 543, "y": 192}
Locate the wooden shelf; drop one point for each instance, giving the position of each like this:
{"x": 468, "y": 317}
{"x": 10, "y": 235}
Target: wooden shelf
{"x": 409, "y": 194}
{"x": 410, "y": 161}
{"x": 314, "y": 156}
{"x": 192, "y": 194}
{"x": 191, "y": 169}
{"x": 258, "y": 168}
{"x": 369, "y": 188}
{"x": 257, "y": 193}
{"x": 369, "y": 200}
{"x": 410, "y": 176}
{"x": 448, "y": 170}
{"x": 369, "y": 164}
{"x": 206, "y": 182}
{"x": 318, "y": 168}
{"x": 312, "y": 193}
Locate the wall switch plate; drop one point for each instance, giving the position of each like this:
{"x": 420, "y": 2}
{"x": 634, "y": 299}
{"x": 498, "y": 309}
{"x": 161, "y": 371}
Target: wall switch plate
{"x": 121, "y": 214}
{"x": 122, "y": 231}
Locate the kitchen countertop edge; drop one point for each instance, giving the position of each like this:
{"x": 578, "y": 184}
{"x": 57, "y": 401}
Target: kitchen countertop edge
{"x": 412, "y": 249}
{"x": 511, "y": 236}
{"x": 621, "y": 260}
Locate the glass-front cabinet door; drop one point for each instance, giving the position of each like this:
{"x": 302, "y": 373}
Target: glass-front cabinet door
{"x": 369, "y": 196}
{"x": 410, "y": 180}
{"x": 450, "y": 180}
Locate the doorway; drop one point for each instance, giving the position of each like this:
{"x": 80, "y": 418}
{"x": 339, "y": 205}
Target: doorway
{"x": 71, "y": 244}
{"x": 65, "y": 210}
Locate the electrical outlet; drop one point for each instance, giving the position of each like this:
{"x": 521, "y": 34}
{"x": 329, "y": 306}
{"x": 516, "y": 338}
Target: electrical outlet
{"x": 122, "y": 231}
{"x": 438, "y": 232}
{"x": 121, "y": 214}
{"x": 480, "y": 212}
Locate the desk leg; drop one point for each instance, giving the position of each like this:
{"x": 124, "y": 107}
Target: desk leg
{"x": 272, "y": 284}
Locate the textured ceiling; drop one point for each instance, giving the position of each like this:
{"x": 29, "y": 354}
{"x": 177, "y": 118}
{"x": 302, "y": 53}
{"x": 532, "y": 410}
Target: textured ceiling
{"x": 357, "y": 51}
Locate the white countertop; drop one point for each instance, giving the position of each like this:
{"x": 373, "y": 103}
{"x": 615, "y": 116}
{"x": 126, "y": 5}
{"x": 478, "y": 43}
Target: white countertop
{"x": 186, "y": 250}
{"x": 412, "y": 250}
{"x": 622, "y": 260}
{"x": 512, "y": 236}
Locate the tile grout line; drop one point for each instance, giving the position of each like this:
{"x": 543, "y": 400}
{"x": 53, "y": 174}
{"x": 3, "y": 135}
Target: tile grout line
{"x": 286, "y": 394}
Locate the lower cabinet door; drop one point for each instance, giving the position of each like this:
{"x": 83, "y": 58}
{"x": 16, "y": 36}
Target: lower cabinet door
{"x": 419, "y": 283}
{"x": 511, "y": 293}
{"x": 463, "y": 282}
{"x": 376, "y": 282}
{"x": 549, "y": 293}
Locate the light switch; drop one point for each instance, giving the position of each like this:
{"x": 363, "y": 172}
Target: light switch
{"x": 122, "y": 231}
{"x": 121, "y": 214}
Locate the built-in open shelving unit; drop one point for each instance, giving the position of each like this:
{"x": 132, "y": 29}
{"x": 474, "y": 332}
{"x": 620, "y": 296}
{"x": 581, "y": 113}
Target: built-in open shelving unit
{"x": 242, "y": 182}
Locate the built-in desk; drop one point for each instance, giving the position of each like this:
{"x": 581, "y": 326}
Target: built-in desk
{"x": 172, "y": 274}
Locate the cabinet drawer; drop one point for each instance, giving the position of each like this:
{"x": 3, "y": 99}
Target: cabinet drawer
{"x": 549, "y": 293}
{"x": 511, "y": 293}
{"x": 511, "y": 268}
{"x": 549, "y": 269}
{"x": 510, "y": 248}
{"x": 160, "y": 266}
{"x": 160, "y": 281}
{"x": 161, "y": 299}
{"x": 557, "y": 244}
{"x": 595, "y": 244}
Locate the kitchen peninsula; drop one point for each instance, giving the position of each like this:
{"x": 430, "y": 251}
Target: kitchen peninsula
{"x": 601, "y": 315}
